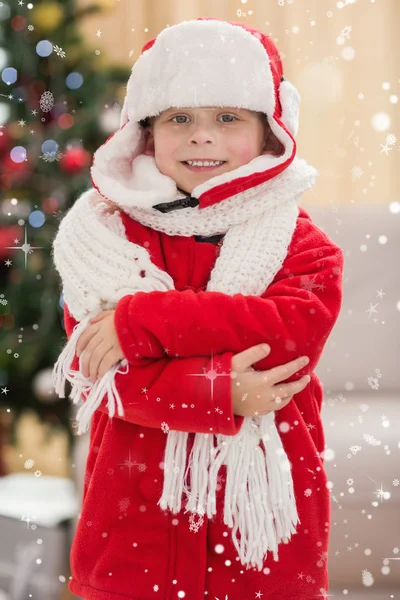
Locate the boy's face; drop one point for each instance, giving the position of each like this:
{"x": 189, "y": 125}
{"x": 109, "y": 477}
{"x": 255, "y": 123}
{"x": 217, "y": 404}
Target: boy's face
{"x": 232, "y": 135}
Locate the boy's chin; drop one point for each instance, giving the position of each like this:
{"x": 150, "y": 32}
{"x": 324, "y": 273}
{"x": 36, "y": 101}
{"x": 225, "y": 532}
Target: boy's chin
{"x": 181, "y": 189}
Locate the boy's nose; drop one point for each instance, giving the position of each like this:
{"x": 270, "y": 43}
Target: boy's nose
{"x": 201, "y": 138}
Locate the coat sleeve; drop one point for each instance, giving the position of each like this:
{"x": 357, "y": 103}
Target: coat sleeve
{"x": 191, "y": 395}
{"x": 294, "y": 316}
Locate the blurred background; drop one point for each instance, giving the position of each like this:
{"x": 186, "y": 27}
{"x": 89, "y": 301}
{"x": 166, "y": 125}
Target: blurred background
{"x": 63, "y": 71}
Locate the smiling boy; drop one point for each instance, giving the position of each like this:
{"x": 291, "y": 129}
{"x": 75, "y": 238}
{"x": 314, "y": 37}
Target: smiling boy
{"x": 195, "y": 490}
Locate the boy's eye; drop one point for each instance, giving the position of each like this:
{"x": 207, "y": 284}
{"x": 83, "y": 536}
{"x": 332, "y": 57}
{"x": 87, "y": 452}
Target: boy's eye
{"x": 185, "y": 117}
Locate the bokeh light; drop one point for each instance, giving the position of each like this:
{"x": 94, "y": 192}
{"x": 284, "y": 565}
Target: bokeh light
{"x": 66, "y": 121}
{"x": 44, "y": 48}
{"x": 18, "y": 154}
{"x": 37, "y": 218}
{"x": 49, "y": 147}
{"x": 74, "y": 81}
{"x": 9, "y": 75}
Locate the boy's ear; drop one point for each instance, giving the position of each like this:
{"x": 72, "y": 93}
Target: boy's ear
{"x": 272, "y": 145}
{"x": 149, "y": 149}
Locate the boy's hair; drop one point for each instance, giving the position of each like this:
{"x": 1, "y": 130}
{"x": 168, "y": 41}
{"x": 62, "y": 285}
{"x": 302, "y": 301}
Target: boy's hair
{"x": 146, "y": 124}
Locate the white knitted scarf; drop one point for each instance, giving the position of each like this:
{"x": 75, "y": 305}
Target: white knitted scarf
{"x": 98, "y": 266}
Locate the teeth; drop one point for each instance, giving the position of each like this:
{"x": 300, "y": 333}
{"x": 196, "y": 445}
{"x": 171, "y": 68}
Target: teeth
{"x": 198, "y": 163}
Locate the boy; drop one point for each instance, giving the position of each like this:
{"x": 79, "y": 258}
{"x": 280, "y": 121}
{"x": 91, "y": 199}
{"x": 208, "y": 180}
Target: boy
{"x": 189, "y": 254}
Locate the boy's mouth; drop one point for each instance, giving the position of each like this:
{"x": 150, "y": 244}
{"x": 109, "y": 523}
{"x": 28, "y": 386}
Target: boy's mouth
{"x": 199, "y": 169}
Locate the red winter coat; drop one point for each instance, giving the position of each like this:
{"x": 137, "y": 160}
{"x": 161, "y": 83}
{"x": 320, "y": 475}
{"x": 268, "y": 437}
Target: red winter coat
{"x": 125, "y": 546}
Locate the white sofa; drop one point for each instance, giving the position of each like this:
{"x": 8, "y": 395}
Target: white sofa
{"x": 359, "y": 370}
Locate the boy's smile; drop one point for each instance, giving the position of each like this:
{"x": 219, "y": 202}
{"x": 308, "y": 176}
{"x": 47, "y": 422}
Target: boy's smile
{"x": 206, "y": 165}
{"x": 204, "y": 136}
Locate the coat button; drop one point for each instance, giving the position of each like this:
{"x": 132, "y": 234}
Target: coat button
{"x": 151, "y": 487}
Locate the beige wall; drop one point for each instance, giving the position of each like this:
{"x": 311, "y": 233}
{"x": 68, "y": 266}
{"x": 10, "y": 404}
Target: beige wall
{"x": 336, "y": 132}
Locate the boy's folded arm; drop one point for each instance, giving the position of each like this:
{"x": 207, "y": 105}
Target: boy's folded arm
{"x": 294, "y": 316}
{"x": 192, "y": 394}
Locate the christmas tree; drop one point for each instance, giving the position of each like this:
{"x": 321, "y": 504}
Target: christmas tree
{"x": 58, "y": 104}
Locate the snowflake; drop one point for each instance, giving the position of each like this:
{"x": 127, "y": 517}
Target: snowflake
{"x": 396, "y": 482}
{"x": 31, "y": 27}
{"x": 371, "y": 440}
{"x": 367, "y": 578}
{"x": 308, "y": 492}
{"x": 355, "y": 449}
{"x": 46, "y": 101}
{"x": 391, "y": 139}
{"x": 165, "y": 427}
{"x": 29, "y": 463}
{"x": 329, "y": 14}
{"x": 345, "y": 33}
{"x": 373, "y": 383}
{"x": 51, "y": 156}
{"x": 396, "y": 550}
{"x": 350, "y": 481}
{"x": 324, "y": 555}
{"x": 123, "y": 504}
{"x": 356, "y": 172}
{"x": 59, "y": 51}
{"x": 281, "y": 2}
{"x": 379, "y": 494}
{"x": 307, "y": 283}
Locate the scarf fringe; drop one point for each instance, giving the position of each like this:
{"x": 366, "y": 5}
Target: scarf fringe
{"x": 262, "y": 509}
{"x": 62, "y": 368}
{"x": 175, "y": 457}
{"x": 200, "y": 466}
{"x": 83, "y": 386}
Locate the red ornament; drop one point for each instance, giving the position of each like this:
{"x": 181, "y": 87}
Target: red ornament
{"x": 13, "y": 173}
{"x": 75, "y": 160}
{"x": 5, "y": 139}
{"x": 9, "y": 165}
{"x": 18, "y": 23}
{"x": 7, "y": 237}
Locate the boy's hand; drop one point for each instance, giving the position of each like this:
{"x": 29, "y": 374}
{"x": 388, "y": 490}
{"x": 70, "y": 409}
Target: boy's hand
{"x": 101, "y": 346}
{"x": 261, "y": 392}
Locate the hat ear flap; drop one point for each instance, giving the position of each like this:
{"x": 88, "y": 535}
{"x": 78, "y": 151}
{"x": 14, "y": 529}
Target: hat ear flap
{"x": 290, "y": 102}
{"x": 123, "y": 119}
